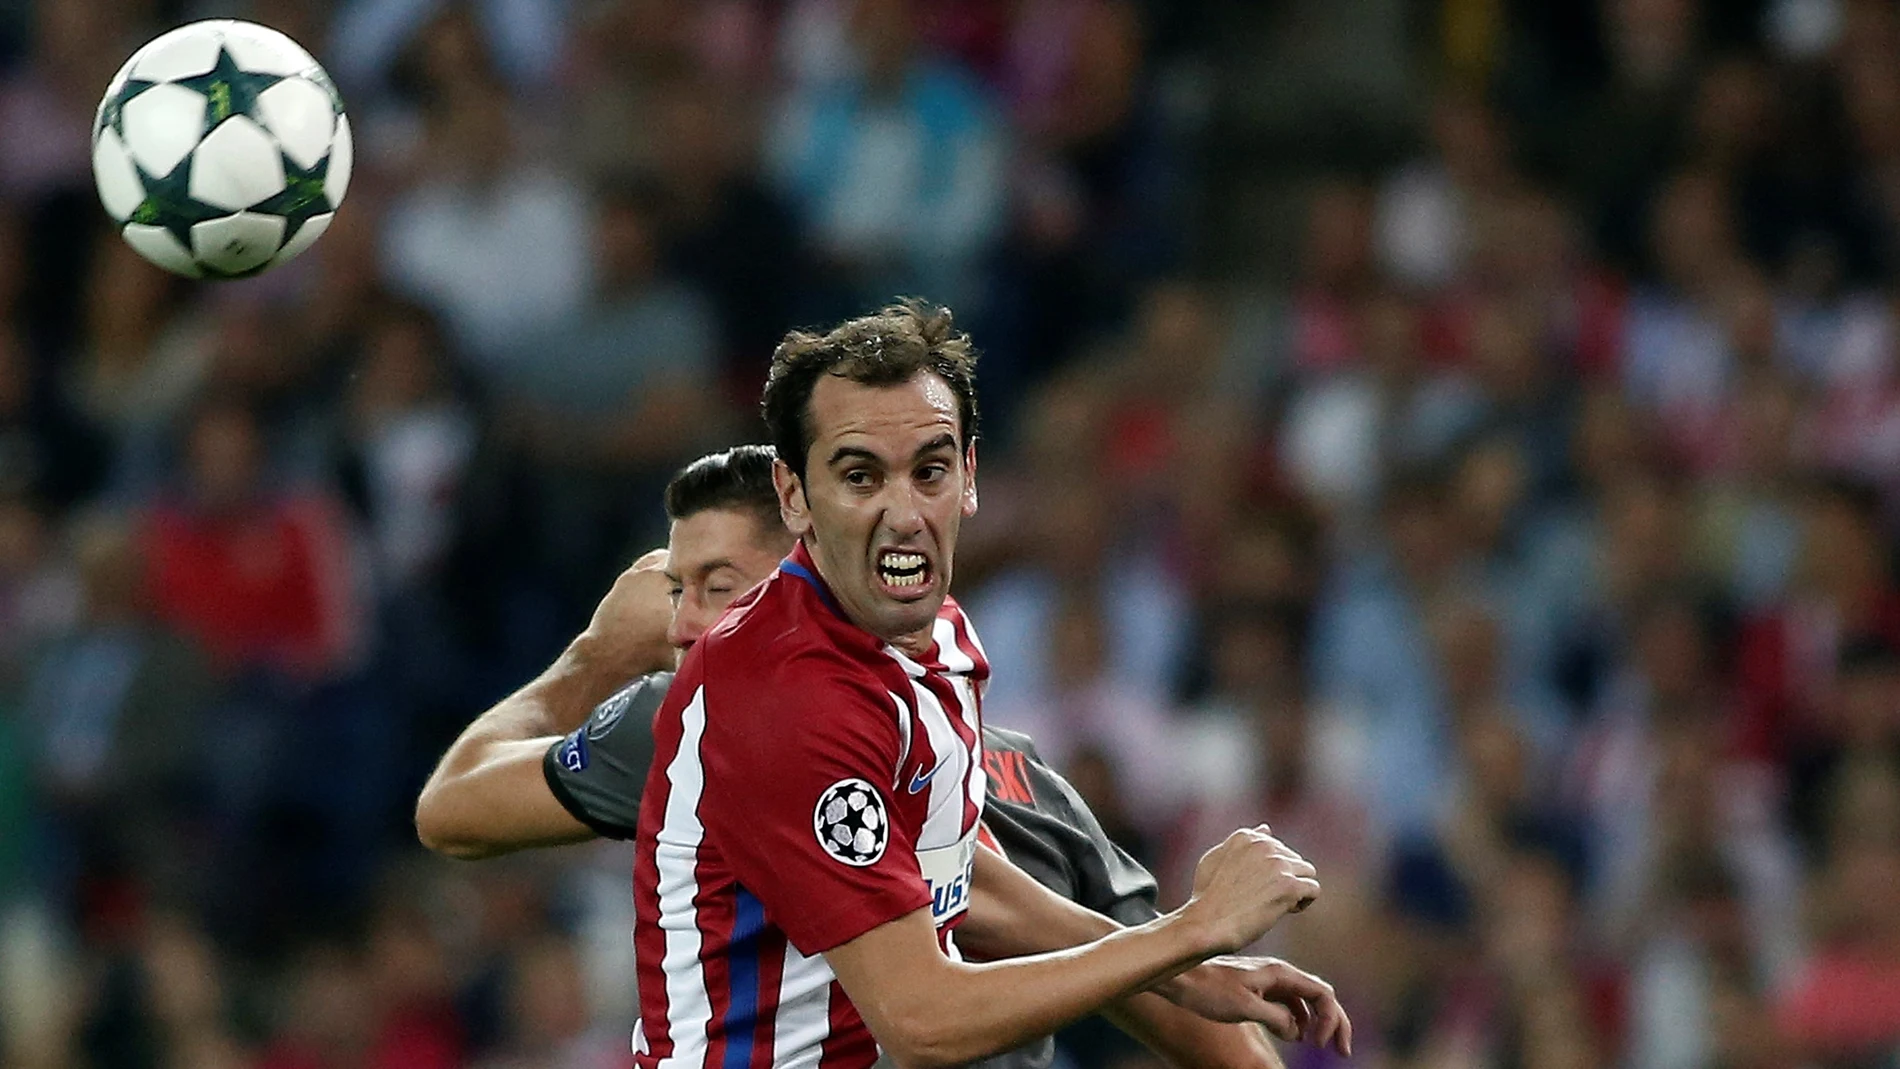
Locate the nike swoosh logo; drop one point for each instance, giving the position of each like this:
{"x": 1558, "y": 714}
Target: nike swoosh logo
{"x": 921, "y": 779}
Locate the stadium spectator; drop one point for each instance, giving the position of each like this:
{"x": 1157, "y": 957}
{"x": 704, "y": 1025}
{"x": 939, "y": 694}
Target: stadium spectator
{"x": 39, "y": 592}
{"x": 262, "y": 579}
{"x": 409, "y": 438}
{"x": 898, "y": 168}
{"x": 371, "y": 39}
{"x": 142, "y": 360}
{"x": 1748, "y": 522}
{"x": 547, "y": 1023}
{"x": 621, "y": 382}
{"x": 724, "y": 230}
{"x": 117, "y": 712}
{"x": 1845, "y": 590}
{"x": 490, "y": 235}
{"x": 1424, "y": 229}
{"x": 1372, "y": 654}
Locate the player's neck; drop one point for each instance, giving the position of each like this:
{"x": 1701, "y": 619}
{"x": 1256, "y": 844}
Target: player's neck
{"x": 917, "y": 644}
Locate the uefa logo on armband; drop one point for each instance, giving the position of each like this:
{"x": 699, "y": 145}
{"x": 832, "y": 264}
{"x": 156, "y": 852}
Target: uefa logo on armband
{"x": 851, "y": 823}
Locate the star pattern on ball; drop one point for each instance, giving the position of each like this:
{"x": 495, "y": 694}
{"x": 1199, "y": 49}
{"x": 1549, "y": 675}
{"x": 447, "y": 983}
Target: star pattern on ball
{"x": 320, "y": 78}
{"x": 169, "y": 203}
{"x": 302, "y": 196}
{"x": 228, "y": 89}
{"x": 112, "y": 111}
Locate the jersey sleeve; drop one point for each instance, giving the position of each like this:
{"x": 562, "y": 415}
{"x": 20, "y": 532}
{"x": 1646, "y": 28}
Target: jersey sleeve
{"x": 599, "y": 770}
{"x": 798, "y": 799}
{"x": 1047, "y": 826}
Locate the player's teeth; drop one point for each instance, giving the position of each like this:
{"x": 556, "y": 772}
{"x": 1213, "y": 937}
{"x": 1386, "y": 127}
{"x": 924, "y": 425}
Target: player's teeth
{"x": 904, "y": 579}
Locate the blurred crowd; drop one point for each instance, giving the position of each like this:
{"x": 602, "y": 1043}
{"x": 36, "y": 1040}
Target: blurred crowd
{"x": 1521, "y": 546}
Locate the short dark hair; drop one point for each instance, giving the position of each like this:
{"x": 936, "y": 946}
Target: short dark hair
{"x": 739, "y": 478}
{"x": 886, "y": 348}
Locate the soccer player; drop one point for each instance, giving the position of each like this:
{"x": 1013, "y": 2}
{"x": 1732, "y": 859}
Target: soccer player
{"x": 725, "y": 537}
{"x": 851, "y": 660}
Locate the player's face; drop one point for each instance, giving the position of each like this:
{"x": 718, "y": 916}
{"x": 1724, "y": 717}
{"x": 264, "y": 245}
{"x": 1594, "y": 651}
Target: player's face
{"x": 713, "y": 556}
{"x": 885, "y": 490}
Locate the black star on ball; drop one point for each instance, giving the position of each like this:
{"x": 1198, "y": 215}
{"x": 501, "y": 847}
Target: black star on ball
{"x": 112, "y": 112}
{"x": 169, "y": 203}
{"x": 228, "y": 90}
{"x": 302, "y": 196}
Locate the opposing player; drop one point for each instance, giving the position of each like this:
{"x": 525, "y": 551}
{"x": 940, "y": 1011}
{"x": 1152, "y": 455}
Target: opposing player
{"x": 726, "y": 536}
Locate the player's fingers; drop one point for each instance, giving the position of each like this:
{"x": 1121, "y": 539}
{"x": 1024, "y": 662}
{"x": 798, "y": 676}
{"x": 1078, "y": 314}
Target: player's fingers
{"x": 1295, "y": 865}
{"x": 1333, "y": 1024}
{"x": 1286, "y": 976}
{"x": 1305, "y": 892}
{"x": 1277, "y": 1019}
{"x": 1303, "y": 1016}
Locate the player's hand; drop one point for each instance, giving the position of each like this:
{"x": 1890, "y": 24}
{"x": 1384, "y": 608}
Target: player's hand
{"x": 628, "y": 631}
{"x": 1291, "y": 1003}
{"x": 1246, "y": 884}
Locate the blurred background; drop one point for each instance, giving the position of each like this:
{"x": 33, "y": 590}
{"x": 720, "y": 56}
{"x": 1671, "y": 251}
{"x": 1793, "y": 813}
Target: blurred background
{"x": 1464, "y": 434}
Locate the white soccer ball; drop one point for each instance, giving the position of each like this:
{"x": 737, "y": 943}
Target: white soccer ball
{"x": 221, "y": 149}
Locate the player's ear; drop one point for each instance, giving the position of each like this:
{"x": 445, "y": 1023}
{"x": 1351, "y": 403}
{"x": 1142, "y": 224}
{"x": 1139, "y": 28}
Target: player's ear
{"x": 793, "y": 508}
{"x": 969, "y": 479}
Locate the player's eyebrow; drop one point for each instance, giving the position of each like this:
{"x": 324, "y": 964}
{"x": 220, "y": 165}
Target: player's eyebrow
{"x": 945, "y": 440}
{"x": 712, "y": 566}
{"x": 852, "y": 452}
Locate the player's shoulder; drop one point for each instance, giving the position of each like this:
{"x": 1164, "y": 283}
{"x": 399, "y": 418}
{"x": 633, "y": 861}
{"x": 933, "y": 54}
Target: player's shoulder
{"x": 784, "y": 643}
{"x": 1007, "y": 741}
{"x": 638, "y": 701}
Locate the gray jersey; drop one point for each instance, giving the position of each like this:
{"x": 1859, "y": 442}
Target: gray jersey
{"x": 1046, "y": 829}
{"x": 599, "y": 771}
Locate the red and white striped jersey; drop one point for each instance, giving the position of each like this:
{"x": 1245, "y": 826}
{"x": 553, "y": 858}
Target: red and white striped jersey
{"x": 810, "y": 782}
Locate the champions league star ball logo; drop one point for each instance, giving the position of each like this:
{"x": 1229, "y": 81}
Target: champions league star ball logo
{"x": 851, "y": 823}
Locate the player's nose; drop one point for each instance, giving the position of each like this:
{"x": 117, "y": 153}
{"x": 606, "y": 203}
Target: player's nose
{"x": 903, "y": 509}
{"x": 687, "y": 625}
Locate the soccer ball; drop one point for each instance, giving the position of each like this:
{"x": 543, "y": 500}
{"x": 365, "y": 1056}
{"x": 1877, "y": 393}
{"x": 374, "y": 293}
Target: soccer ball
{"x": 221, "y": 149}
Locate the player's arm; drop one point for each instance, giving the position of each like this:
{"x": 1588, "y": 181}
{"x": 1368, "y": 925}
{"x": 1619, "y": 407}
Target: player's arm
{"x": 928, "y": 1011}
{"x": 1016, "y": 915}
{"x": 492, "y": 792}
{"x": 1040, "y": 818}
{"x": 1187, "y": 1040}
{"x": 1013, "y": 914}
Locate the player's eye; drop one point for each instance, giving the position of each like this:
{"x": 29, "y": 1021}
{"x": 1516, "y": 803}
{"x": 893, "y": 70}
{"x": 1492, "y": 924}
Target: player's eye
{"x": 857, "y": 477}
{"x": 931, "y": 473}
{"x": 674, "y": 594}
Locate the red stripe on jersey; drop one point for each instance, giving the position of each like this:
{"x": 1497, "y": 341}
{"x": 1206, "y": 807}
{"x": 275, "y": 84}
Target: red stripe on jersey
{"x": 649, "y": 942}
{"x": 850, "y": 1044}
{"x": 713, "y": 913}
{"x": 771, "y": 974}
{"x": 967, "y": 642}
{"x": 945, "y": 692}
